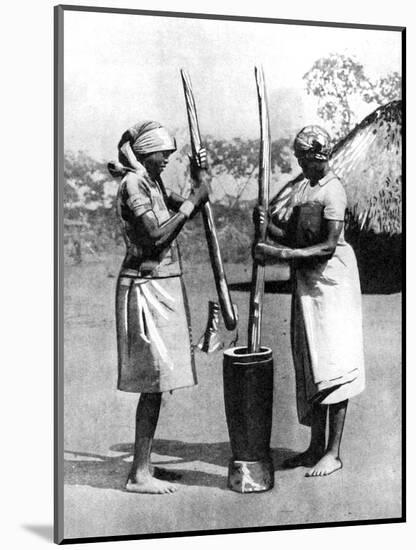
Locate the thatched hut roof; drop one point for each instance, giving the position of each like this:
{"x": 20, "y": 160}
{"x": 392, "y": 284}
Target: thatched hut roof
{"x": 369, "y": 163}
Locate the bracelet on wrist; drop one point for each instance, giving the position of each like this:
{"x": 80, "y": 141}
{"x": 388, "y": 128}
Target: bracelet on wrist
{"x": 186, "y": 208}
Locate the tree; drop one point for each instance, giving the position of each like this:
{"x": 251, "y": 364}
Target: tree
{"x": 87, "y": 199}
{"x": 85, "y": 180}
{"x": 337, "y": 81}
{"x": 386, "y": 89}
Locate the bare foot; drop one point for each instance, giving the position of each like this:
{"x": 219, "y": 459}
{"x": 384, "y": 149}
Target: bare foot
{"x": 308, "y": 458}
{"x": 327, "y": 465}
{"x": 145, "y": 483}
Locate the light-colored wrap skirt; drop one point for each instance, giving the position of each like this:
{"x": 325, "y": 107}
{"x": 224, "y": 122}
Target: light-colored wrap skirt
{"x": 153, "y": 335}
{"x": 326, "y": 331}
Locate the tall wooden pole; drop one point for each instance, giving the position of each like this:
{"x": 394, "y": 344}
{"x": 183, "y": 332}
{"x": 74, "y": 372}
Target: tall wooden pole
{"x": 223, "y": 292}
{"x": 257, "y": 280}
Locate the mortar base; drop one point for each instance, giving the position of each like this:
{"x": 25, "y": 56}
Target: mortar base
{"x": 251, "y": 476}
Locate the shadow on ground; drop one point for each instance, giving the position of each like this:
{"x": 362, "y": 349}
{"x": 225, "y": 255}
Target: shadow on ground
{"x": 270, "y": 287}
{"x": 107, "y": 472}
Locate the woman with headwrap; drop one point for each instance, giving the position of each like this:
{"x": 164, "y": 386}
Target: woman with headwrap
{"x": 326, "y": 325}
{"x": 152, "y": 317}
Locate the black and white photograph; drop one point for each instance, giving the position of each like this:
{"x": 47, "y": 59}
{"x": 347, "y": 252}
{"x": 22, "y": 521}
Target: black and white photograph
{"x": 206, "y": 341}
{"x": 229, "y": 195}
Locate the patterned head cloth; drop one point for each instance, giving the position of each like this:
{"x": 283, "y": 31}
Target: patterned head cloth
{"x": 312, "y": 143}
{"x": 149, "y": 137}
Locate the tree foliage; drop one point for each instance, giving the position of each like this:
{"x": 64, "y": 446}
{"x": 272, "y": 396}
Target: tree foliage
{"x": 84, "y": 181}
{"x": 240, "y": 157}
{"x": 338, "y": 81}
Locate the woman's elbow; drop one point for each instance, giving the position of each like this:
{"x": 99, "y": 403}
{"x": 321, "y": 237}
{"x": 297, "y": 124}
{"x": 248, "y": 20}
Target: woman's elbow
{"x": 150, "y": 240}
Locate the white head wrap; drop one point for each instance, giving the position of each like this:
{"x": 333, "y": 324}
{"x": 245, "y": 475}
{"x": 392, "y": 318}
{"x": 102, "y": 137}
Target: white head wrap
{"x": 150, "y": 137}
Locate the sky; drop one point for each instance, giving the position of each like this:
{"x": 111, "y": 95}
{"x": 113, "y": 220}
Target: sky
{"x": 122, "y": 68}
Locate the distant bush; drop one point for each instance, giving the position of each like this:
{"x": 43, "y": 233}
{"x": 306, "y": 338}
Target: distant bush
{"x": 234, "y": 230}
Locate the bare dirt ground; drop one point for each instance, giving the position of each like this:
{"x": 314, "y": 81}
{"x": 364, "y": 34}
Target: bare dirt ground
{"x": 192, "y": 436}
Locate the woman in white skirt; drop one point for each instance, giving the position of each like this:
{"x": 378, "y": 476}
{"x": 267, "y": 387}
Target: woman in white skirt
{"x": 152, "y": 317}
{"x": 326, "y": 324}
